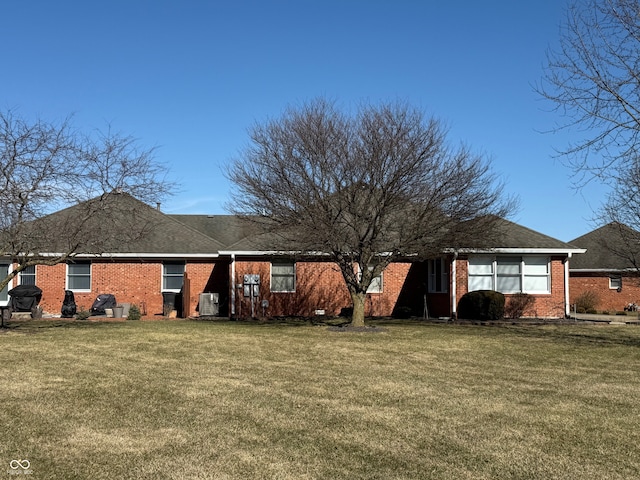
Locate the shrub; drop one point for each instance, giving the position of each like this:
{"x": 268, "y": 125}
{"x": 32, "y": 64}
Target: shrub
{"x": 518, "y": 304}
{"x": 481, "y": 305}
{"x": 586, "y": 301}
{"x": 134, "y": 313}
{"x": 83, "y": 314}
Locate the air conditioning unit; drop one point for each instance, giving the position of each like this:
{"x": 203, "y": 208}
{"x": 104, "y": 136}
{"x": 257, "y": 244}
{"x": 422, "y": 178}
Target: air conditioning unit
{"x": 209, "y": 304}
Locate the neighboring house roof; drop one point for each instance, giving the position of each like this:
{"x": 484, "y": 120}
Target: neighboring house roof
{"x": 612, "y": 247}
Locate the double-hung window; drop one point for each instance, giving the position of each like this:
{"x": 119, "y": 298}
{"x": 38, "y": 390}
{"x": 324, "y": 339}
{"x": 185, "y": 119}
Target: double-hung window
{"x": 438, "y": 273}
{"x": 28, "y": 275}
{"x": 172, "y": 276}
{"x": 79, "y": 276}
{"x": 481, "y": 274}
{"x": 283, "y": 276}
{"x": 510, "y": 274}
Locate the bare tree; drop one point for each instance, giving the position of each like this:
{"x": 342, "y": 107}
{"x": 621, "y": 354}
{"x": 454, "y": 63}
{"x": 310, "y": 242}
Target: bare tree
{"x": 48, "y": 166}
{"x": 367, "y": 189}
{"x": 621, "y": 211}
{"x": 593, "y": 79}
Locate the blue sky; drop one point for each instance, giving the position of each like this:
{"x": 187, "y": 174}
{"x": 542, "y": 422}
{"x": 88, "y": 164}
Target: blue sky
{"x": 191, "y": 76}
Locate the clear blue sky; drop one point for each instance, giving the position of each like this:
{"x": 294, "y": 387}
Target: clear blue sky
{"x": 191, "y": 76}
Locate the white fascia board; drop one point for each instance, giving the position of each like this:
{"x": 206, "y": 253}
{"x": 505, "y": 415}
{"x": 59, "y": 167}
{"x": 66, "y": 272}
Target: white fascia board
{"x": 135, "y": 255}
{"x": 602, "y": 270}
{"x": 521, "y": 251}
{"x": 267, "y": 253}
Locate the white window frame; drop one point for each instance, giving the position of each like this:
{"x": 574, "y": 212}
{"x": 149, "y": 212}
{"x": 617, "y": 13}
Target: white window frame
{"x": 377, "y": 283}
{"x": 488, "y": 273}
{"x": 615, "y": 282}
{"x": 166, "y": 275}
{"x": 69, "y": 274}
{"x": 289, "y": 275}
{"x": 433, "y": 265}
{"x": 24, "y": 273}
{"x": 4, "y": 302}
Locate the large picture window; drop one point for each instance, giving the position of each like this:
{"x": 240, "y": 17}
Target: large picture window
{"x": 79, "y": 276}
{"x": 510, "y": 274}
{"x": 283, "y": 276}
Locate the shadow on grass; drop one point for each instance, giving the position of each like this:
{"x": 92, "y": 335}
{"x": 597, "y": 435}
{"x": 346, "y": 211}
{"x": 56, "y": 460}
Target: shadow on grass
{"x": 570, "y": 333}
{"x": 34, "y": 326}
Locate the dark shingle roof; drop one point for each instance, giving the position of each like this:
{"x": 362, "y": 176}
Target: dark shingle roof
{"x": 610, "y": 247}
{"x": 239, "y": 235}
{"x": 230, "y": 231}
{"x": 162, "y": 233}
{"x": 209, "y": 234}
{"x": 513, "y": 235}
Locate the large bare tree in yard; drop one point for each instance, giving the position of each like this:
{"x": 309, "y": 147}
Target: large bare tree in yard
{"x": 593, "y": 80}
{"x": 366, "y": 188}
{"x": 49, "y": 166}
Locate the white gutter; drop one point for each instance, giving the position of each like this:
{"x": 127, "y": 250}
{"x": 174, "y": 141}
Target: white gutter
{"x": 603, "y": 270}
{"x": 551, "y": 251}
{"x": 567, "y": 307}
{"x": 454, "y": 285}
{"x": 233, "y": 284}
{"x": 133, "y": 255}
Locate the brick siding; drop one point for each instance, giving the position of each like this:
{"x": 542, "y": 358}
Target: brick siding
{"x": 608, "y": 299}
{"x": 138, "y": 283}
{"x": 549, "y": 305}
{"x": 319, "y": 286}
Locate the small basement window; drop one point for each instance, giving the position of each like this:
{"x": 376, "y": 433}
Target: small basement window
{"x": 615, "y": 283}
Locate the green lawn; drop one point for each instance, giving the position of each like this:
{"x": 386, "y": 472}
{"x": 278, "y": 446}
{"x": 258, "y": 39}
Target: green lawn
{"x": 225, "y": 400}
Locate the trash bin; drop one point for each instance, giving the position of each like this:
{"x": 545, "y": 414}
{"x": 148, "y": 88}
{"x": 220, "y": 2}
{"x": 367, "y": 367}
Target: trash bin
{"x": 118, "y": 311}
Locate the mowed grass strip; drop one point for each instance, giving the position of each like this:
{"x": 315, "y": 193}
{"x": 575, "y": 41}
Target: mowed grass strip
{"x": 226, "y": 400}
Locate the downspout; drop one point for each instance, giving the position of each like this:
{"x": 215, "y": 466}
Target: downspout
{"x": 454, "y": 284}
{"x": 233, "y": 285}
{"x": 567, "y": 307}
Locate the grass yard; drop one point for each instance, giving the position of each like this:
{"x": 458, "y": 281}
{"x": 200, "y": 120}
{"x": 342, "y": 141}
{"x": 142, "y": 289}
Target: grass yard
{"x": 226, "y": 400}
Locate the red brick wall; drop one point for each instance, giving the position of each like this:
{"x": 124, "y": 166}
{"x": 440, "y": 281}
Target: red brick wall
{"x": 609, "y": 299}
{"x": 138, "y": 283}
{"x": 319, "y": 286}
{"x": 546, "y": 305}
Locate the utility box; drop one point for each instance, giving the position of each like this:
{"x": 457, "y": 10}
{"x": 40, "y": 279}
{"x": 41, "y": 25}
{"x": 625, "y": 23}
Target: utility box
{"x": 209, "y": 304}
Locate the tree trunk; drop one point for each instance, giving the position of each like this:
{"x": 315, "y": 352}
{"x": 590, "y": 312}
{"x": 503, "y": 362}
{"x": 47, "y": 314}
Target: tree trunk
{"x": 357, "y": 320}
